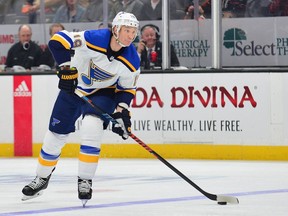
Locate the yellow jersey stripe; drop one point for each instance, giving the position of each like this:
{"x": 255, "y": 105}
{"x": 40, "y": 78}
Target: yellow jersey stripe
{"x": 60, "y": 39}
{"x": 95, "y": 47}
{"x": 127, "y": 62}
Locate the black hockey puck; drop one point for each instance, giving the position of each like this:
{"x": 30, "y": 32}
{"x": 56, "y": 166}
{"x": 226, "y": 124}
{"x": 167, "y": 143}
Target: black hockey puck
{"x": 222, "y": 203}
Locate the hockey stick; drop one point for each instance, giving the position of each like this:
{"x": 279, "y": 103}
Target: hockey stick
{"x": 221, "y": 199}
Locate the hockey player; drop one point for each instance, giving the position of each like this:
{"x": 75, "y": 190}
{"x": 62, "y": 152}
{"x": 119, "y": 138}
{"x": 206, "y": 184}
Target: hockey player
{"x": 105, "y": 68}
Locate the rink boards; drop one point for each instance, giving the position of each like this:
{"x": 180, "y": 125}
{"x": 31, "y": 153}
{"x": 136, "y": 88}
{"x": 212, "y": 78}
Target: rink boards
{"x": 180, "y": 115}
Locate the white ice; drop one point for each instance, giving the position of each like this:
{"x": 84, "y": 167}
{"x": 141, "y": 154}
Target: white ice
{"x": 149, "y": 188}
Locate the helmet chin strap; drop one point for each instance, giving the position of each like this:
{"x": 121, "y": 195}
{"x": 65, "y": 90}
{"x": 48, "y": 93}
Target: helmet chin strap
{"x": 118, "y": 41}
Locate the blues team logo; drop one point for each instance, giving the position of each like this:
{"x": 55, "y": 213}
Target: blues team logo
{"x": 95, "y": 74}
{"x": 55, "y": 121}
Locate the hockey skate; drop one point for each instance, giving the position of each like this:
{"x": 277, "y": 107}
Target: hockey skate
{"x": 84, "y": 190}
{"x": 36, "y": 187}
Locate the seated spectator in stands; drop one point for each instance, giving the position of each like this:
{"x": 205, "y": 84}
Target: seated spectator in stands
{"x": 94, "y": 11}
{"x": 279, "y": 7}
{"x": 130, "y": 6}
{"x": 230, "y": 8}
{"x": 152, "y": 10}
{"x": 233, "y": 8}
{"x": 257, "y": 8}
{"x": 50, "y": 6}
{"x": 69, "y": 12}
{"x": 191, "y": 12}
{"x": 47, "y": 3}
{"x": 26, "y": 9}
{"x": 47, "y": 57}
{"x": 25, "y": 53}
{"x": 150, "y": 48}
{"x": 204, "y": 10}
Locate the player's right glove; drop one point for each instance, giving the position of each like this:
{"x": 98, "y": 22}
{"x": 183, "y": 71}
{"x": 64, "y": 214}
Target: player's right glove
{"x": 123, "y": 128}
{"x": 68, "y": 79}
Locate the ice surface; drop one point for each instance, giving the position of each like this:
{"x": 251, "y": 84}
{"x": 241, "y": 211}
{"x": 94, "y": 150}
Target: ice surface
{"x": 148, "y": 187}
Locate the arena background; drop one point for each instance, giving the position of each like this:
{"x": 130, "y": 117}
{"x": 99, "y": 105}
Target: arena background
{"x": 200, "y": 113}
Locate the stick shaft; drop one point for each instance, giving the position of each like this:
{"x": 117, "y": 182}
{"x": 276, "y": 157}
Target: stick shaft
{"x": 145, "y": 146}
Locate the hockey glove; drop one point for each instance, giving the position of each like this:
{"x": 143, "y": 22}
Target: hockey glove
{"x": 123, "y": 128}
{"x": 67, "y": 79}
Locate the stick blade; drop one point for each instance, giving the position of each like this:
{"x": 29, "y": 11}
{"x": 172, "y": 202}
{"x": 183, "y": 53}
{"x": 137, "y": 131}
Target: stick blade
{"x": 227, "y": 199}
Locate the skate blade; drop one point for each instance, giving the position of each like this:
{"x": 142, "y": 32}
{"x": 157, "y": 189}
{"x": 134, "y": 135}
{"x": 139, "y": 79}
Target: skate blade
{"x": 84, "y": 201}
{"x": 25, "y": 197}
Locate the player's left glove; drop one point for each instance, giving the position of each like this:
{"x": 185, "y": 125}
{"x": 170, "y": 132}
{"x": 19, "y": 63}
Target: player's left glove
{"x": 68, "y": 79}
{"x": 123, "y": 128}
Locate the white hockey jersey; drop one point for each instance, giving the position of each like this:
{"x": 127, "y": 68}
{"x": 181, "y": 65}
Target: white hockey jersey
{"x": 98, "y": 66}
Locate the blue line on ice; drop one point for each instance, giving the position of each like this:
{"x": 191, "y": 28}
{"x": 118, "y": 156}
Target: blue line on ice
{"x": 140, "y": 202}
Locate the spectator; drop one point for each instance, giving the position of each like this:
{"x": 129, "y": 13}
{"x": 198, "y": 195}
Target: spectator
{"x": 47, "y": 3}
{"x": 25, "y": 53}
{"x": 50, "y": 6}
{"x": 152, "y": 10}
{"x": 94, "y": 11}
{"x": 150, "y": 48}
{"x": 129, "y": 6}
{"x": 47, "y": 57}
{"x": 279, "y": 7}
{"x": 69, "y": 12}
{"x": 233, "y": 8}
{"x": 204, "y": 10}
{"x": 190, "y": 13}
{"x": 27, "y": 9}
{"x": 230, "y": 8}
{"x": 257, "y": 8}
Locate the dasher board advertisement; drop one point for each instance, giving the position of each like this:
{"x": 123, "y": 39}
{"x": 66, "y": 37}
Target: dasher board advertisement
{"x": 222, "y": 108}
